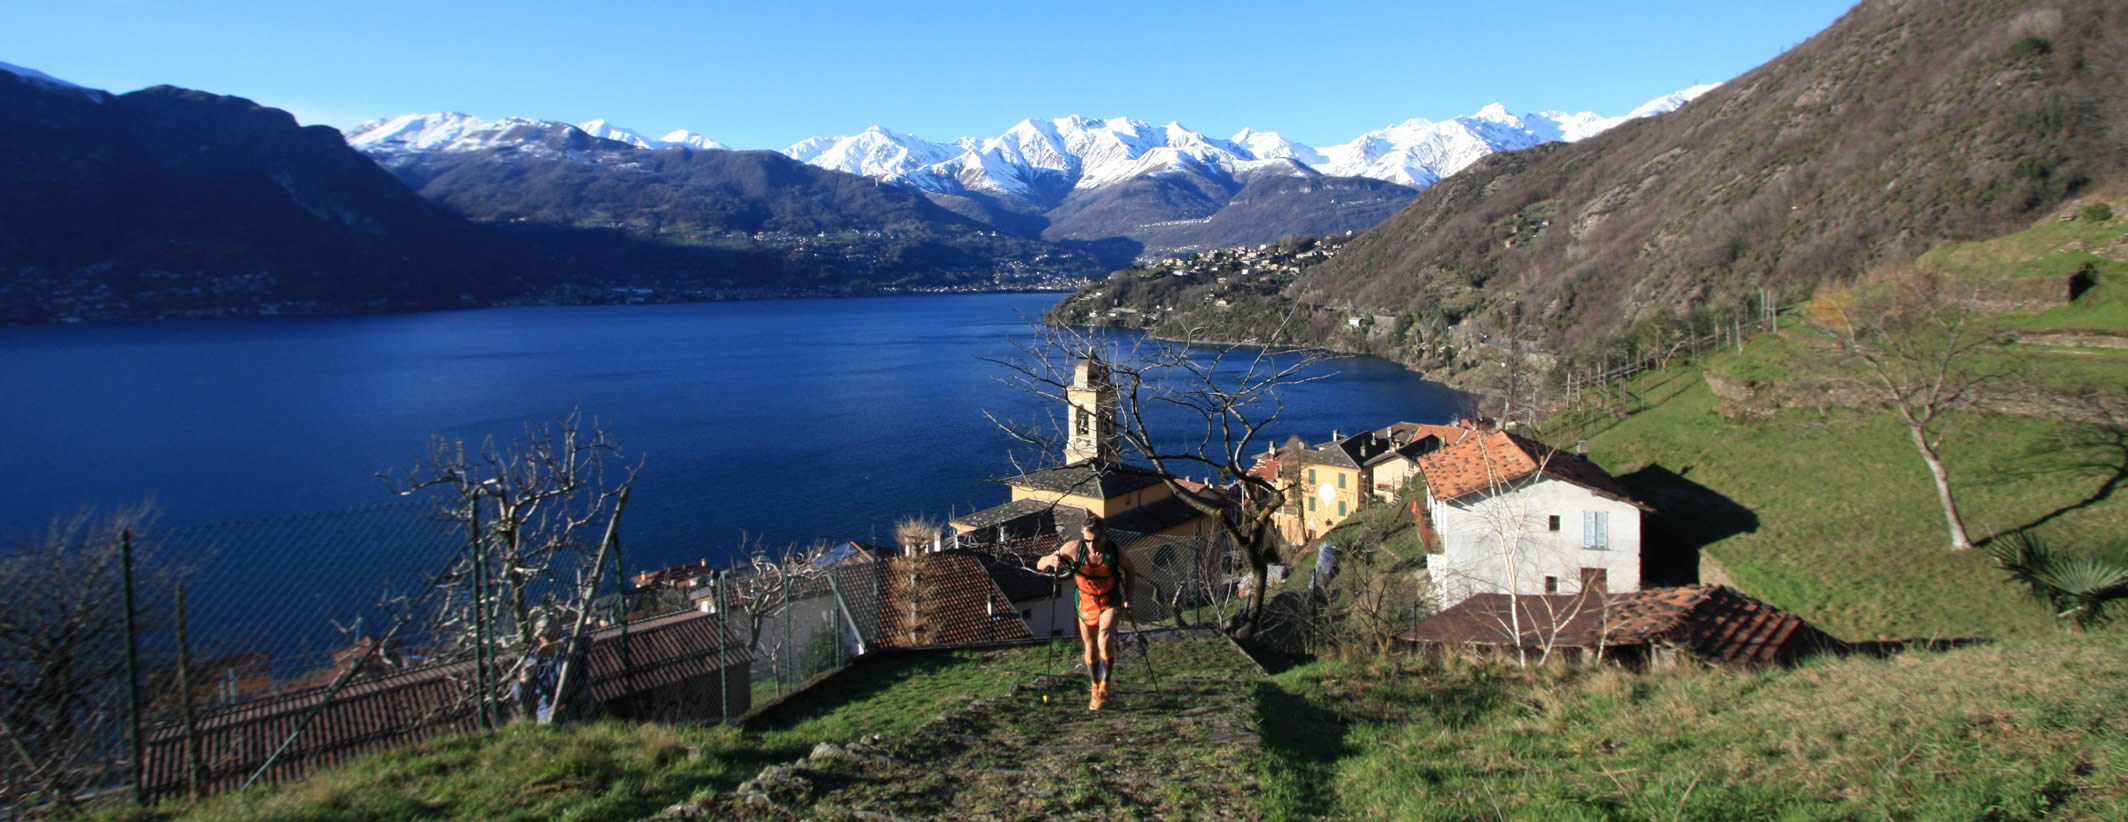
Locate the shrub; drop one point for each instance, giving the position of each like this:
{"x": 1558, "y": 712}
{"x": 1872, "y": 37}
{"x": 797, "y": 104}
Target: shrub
{"x": 2033, "y": 46}
{"x": 2096, "y": 213}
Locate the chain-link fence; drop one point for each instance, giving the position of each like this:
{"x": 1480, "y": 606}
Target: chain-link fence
{"x": 258, "y": 652}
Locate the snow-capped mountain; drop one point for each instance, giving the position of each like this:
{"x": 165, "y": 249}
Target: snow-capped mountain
{"x": 874, "y": 152}
{"x": 1042, "y": 160}
{"x": 409, "y": 134}
{"x": 678, "y": 138}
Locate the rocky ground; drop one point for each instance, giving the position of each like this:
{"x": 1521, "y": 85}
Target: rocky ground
{"x": 1178, "y": 740}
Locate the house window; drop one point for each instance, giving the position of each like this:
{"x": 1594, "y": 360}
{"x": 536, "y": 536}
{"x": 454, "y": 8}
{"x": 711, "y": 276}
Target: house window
{"x": 1311, "y": 503}
{"x": 1552, "y": 522}
{"x": 1341, "y": 480}
{"x": 1311, "y": 476}
{"x": 1595, "y": 529}
{"x": 1551, "y": 585}
{"x": 1595, "y": 579}
{"x": 1341, "y": 507}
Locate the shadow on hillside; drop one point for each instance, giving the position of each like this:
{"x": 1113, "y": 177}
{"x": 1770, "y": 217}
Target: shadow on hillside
{"x": 2101, "y": 450}
{"x": 1894, "y": 647}
{"x": 1304, "y": 741}
{"x": 1688, "y": 517}
{"x": 861, "y": 680}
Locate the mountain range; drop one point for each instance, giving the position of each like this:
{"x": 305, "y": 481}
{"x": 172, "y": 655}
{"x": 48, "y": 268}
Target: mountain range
{"x": 1158, "y": 188}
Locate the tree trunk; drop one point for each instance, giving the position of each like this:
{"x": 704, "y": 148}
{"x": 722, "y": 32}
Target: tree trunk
{"x": 1959, "y": 541}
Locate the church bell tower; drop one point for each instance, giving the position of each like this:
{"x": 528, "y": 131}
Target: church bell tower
{"x": 1092, "y": 400}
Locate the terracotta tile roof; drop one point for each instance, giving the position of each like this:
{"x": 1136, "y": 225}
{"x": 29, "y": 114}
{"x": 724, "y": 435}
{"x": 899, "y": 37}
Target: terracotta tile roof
{"x": 1713, "y": 622}
{"x": 654, "y": 653}
{"x": 1478, "y": 463}
{"x": 1405, "y": 432}
{"x": 962, "y": 605}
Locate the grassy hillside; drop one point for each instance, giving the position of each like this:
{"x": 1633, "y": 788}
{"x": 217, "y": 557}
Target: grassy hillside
{"x": 1842, "y": 524}
{"x": 1901, "y": 126}
{"x": 2020, "y": 730}
{"x": 619, "y": 770}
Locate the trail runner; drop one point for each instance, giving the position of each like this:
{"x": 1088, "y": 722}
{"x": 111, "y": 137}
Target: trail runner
{"x": 1103, "y": 575}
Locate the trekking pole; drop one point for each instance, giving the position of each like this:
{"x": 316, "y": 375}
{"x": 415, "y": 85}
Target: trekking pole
{"x": 1145, "y": 650}
{"x": 1049, "y": 671}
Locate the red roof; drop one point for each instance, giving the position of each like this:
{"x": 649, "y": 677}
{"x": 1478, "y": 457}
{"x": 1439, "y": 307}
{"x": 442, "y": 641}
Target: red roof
{"x": 1714, "y": 622}
{"x": 960, "y": 604}
{"x": 1497, "y": 458}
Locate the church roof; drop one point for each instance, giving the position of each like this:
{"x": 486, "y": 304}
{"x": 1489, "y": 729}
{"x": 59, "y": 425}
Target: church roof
{"x": 1100, "y": 479}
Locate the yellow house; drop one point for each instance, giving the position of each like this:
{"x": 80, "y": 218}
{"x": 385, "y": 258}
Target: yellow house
{"x": 1326, "y": 483}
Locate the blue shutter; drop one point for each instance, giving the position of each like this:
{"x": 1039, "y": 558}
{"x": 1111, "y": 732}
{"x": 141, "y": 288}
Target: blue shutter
{"x": 1603, "y": 529}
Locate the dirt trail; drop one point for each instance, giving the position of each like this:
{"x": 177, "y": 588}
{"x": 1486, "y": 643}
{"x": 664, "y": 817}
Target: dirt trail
{"x": 1182, "y": 747}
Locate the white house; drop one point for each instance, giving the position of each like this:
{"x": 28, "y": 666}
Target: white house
{"x": 1513, "y": 516}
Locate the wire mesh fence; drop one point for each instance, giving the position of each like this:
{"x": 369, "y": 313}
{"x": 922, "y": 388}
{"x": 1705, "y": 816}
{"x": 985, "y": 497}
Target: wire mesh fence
{"x": 261, "y": 651}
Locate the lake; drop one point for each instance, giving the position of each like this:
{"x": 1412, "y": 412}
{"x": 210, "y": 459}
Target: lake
{"x": 788, "y": 421}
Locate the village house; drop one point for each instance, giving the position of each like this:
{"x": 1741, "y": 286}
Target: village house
{"x": 1657, "y": 628}
{"x": 1094, "y": 480}
{"x": 1506, "y": 514}
{"x": 1325, "y": 484}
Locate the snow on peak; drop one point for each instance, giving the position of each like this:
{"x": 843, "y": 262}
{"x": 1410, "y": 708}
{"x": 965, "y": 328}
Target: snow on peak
{"x": 875, "y": 152}
{"x": 38, "y": 78}
{"x": 1496, "y": 113}
{"x": 681, "y": 138}
{"x": 1671, "y": 102}
{"x": 687, "y": 139}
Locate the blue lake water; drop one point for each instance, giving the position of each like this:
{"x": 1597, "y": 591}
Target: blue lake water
{"x": 788, "y": 420}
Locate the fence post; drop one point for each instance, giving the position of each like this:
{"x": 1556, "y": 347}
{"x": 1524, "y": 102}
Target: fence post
{"x": 785, "y": 685}
{"x": 125, "y": 559}
{"x": 716, "y": 603}
{"x": 193, "y": 765}
{"x": 483, "y": 688}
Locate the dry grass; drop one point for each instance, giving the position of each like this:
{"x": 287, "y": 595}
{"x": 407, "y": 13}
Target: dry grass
{"x": 2021, "y": 730}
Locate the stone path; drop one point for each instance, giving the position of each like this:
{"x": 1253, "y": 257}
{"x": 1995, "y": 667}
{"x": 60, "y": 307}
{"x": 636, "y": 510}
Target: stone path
{"x": 1184, "y": 747}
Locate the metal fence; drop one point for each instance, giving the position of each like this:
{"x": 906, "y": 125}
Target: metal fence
{"x": 258, "y": 652}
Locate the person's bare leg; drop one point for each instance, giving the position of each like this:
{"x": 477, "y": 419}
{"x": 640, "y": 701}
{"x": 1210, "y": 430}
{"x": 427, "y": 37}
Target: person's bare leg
{"x": 1088, "y": 637}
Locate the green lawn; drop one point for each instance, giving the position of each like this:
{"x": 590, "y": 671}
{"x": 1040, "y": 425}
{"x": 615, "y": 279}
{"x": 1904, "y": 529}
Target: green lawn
{"x": 1843, "y": 526}
{"x": 2028, "y": 729}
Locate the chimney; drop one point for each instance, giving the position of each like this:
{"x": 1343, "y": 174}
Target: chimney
{"x": 1581, "y": 449}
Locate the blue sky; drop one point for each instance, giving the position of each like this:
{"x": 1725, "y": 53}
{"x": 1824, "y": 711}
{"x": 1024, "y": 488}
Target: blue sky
{"x": 767, "y": 74}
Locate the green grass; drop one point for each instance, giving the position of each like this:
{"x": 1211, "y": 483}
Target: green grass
{"x": 2022, "y": 730}
{"x": 2048, "y": 249}
{"x": 1848, "y": 532}
{"x": 611, "y": 769}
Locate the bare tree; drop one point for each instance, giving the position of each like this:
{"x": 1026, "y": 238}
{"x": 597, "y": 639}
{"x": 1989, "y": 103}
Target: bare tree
{"x": 63, "y": 654}
{"x": 1229, "y": 395}
{"x": 1921, "y": 355}
{"x": 1506, "y": 522}
{"x": 537, "y": 510}
{"x": 768, "y": 582}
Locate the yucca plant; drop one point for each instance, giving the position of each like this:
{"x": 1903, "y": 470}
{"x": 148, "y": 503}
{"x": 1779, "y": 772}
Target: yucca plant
{"x": 2082, "y": 589}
